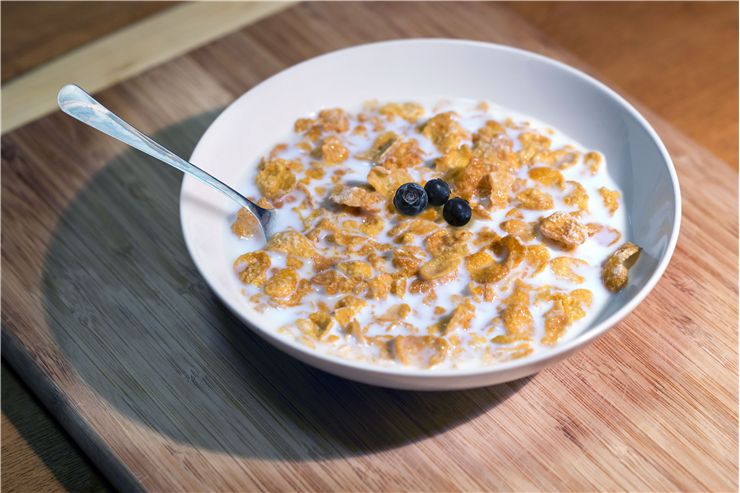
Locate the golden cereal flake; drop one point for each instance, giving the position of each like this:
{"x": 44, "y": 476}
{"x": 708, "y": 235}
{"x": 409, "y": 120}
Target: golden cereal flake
{"x": 563, "y": 228}
{"x": 356, "y": 331}
{"x": 512, "y": 248}
{"x": 252, "y": 267}
{"x": 578, "y": 197}
{"x": 334, "y": 120}
{"x": 282, "y": 283}
{"x": 443, "y": 241}
{"x": 245, "y": 225}
{"x": 516, "y": 317}
{"x": 395, "y": 313}
{"x": 334, "y": 282}
{"x": 321, "y": 263}
{"x": 356, "y": 269}
{"x": 550, "y": 177}
{"x": 516, "y": 213}
{"x": 379, "y": 287}
{"x": 537, "y": 256}
{"x": 356, "y": 197}
{"x": 402, "y": 153}
{"x": 386, "y": 181}
{"x": 535, "y": 199}
{"x": 276, "y": 177}
{"x": 498, "y": 185}
{"x": 522, "y": 230}
{"x": 615, "y": 272}
{"x": 471, "y": 180}
{"x": 333, "y": 151}
{"x": 611, "y": 199}
{"x": 563, "y": 268}
{"x": 293, "y": 262}
{"x": 532, "y": 145}
{"x": 405, "y": 259}
{"x": 566, "y": 309}
{"x": 411, "y": 229}
{"x": 484, "y": 269}
{"x": 314, "y": 172}
{"x": 520, "y": 350}
{"x": 563, "y": 158}
{"x": 379, "y": 146}
{"x": 488, "y": 132}
{"x": 312, "y": 329}
{"x": 440, "y": 267}
{"x": 323, "y": 322}
{"x": 347, "y": 309}
{"x": 398, "y": 285}
{"x": 593, "y": 161}
{"x": 420, "y": 351}
{"x": 303, "y": 124}
{"x": 444, "y": 131}
{"x": 372, "y": 225}
{"x": 292, "y": 242}
{"x": 462, "y": 316}
{"x": 410, "y": 112}
{"x": 453, "y": 159}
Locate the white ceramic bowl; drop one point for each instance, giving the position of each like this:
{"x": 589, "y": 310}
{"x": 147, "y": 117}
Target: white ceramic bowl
{"x": 421, "y": 69}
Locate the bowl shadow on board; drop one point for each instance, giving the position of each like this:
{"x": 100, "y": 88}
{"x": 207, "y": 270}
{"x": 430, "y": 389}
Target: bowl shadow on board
{"x": 138, "y": 324}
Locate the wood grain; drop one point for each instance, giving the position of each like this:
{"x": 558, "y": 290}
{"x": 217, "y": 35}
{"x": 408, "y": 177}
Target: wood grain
{"x": 678, "y": 58}
{"x": 111, "y": 326}
{"x": 36, "y": 32}
{"x": 126, "y": 52}
{"x": 52, "y": 462}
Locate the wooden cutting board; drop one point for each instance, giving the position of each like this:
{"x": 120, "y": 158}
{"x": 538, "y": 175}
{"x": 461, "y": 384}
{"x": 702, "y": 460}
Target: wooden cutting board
{"x": 106, "y": 318}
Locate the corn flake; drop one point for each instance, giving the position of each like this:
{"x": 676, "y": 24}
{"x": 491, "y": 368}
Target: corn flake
{"x": 615, "y": 272}
{"x": 611, "y": 199}
{"x": 563, "y": 268}
{"x": 276, "y": 177}
{"x": 356, "y": 197}
{"x": 252, "y": 267}
{"x": 564, "y": 229}
{"x": 444, "y": 131}
{"x": 550, "y": 177}
{"x": 293, "y": 243}
{"x": 535, "y": 199}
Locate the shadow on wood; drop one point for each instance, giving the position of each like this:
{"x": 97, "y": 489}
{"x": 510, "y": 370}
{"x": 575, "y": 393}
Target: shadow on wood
{"x": 141, "y": 328}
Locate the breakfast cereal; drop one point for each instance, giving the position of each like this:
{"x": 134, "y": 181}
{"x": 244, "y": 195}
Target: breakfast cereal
{"x": 352, "y": 273}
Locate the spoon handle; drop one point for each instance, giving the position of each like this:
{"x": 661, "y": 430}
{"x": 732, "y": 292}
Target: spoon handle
{"x": 80, "y": 105}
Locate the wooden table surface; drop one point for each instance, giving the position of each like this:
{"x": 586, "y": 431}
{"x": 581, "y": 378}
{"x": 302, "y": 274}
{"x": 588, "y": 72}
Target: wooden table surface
{"x": 691, "y": 84}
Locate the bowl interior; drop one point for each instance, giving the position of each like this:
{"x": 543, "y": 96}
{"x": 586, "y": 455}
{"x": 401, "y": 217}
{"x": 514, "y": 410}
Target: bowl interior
{"x": 422, "y": 70}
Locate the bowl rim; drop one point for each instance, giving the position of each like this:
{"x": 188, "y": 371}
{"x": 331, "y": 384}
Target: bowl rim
{"x": 540, "y": 359}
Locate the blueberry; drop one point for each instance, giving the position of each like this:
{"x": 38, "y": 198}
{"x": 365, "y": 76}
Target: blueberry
{"x": 438, "y": 191}
{"x": 457, "y": 212}
{"x": 410, "y": 199}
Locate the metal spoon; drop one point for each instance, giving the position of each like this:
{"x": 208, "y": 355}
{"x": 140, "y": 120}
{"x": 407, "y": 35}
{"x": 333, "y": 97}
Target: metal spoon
{"x": 77, "y": 103}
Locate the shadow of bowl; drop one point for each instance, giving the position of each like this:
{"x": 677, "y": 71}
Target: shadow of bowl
{"x": 139, "y": 325}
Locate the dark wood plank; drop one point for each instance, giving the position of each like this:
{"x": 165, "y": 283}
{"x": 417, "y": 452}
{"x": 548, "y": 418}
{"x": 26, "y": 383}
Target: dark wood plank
{"x": 678, "y": 58}
{"x": 110, "y": 324}
{"x": 36, "y": 32}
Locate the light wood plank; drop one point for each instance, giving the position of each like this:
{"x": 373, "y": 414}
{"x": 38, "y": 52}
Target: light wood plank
{"x": 126, "y": 52}
{"x": 35, "y": 32}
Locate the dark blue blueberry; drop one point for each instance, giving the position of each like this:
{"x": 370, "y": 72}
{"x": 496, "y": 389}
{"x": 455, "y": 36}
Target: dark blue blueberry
{"x": 410, "y": 199}
{"x": 457, "y": 212}
{"x": 438, "y": 191}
